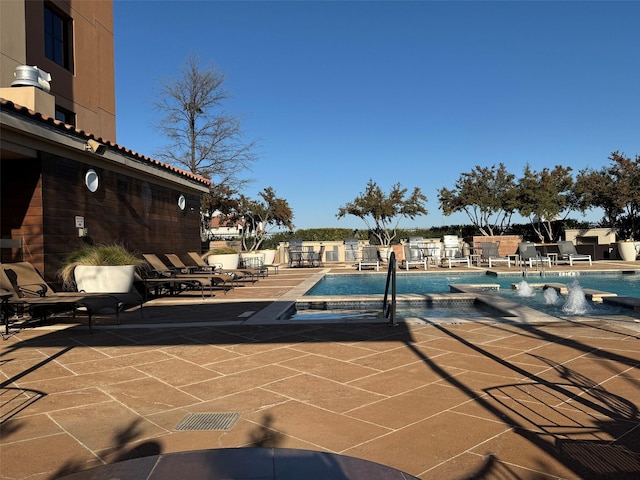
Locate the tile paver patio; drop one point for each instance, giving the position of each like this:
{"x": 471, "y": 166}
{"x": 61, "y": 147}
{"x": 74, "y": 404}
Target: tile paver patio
{"x": 446, "y": 401}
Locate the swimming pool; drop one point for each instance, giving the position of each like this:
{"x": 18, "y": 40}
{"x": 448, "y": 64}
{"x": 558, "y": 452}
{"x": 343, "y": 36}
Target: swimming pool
{"x": 413, "y": 283}
{"x": 352, "y": 297}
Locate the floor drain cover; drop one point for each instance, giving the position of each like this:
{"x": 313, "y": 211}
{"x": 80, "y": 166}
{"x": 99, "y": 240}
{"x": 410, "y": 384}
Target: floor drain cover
{"x": 208, "y": 421}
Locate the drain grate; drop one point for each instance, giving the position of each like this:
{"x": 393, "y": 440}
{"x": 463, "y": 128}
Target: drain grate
{"x": 208, "y": 421}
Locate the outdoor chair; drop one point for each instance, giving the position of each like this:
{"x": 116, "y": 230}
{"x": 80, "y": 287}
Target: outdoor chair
{"x": 199, "y": 262}
{"x": 451, "y": 245}
{"x": 434, "y": 252}
{"x": 315, "y": 259}
{"x": 31, "y": 294}
{"x": 236, "y": 273}
{"x": 351, "y": 246}
{"x": 369, "y": 257}
{"x": 414, "y": 255}
{"x": 489, "y": 253}
{"x": 529, "y": 254}
{"x": 452, "y": 253}
{"x": 568, "y": 252}
{"x": 255, "y": 265}
{"x": 177, "y": 282}
{"x": 177, "y": 263}
{"x": 295, "y": 255}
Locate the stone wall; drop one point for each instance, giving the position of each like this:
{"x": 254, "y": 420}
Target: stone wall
{"x": 508, "y": 243}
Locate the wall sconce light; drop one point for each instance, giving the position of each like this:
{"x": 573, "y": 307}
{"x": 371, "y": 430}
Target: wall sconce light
{"x": 91, "y": 180}
{"x": 95, "y": 147}
{"x": 182, "y": 202}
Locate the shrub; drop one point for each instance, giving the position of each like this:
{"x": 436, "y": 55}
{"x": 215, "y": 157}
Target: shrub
{"x": 96, "y": 255}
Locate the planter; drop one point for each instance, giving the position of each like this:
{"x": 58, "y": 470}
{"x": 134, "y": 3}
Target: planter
{"x": 384, "y": 253}
{"x": 227, "y": 261}
{"x": 269, "y": 256}
{"x": 104, "y": 279}
{"x": 627, "y": 251}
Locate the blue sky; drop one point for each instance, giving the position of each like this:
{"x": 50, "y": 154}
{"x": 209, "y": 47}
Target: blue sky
{"x": 339, "y": 92}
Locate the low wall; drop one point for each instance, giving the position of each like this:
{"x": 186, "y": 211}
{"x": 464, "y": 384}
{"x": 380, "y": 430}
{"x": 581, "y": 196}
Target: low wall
{"x": 508, "y": 243}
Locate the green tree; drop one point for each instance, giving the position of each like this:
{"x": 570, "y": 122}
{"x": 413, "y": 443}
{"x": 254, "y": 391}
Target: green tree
{"x": 487, "y": 195}
{"x": 616, "y": 190}
{"x": 382, "y": 212}
{"x": 543, "y": 196}
{"x": 258, "y": 215}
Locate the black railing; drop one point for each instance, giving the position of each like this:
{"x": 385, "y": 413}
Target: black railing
{"x": 389, "y": 307}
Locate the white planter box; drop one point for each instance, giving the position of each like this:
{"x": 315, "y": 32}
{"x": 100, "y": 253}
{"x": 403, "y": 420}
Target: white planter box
{"x": 269, "y": 256}
{"x": 627, "y": 251}
{"x": 104, "y": 279}
{"x": 228, "y": 261}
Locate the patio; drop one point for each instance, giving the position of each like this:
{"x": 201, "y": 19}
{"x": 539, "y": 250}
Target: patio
{"x": 456, "y": 400}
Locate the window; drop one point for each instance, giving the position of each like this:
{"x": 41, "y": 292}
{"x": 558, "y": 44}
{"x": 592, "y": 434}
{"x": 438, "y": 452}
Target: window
{"x": 57, "y": 37}
{"x": 65, "y": 116}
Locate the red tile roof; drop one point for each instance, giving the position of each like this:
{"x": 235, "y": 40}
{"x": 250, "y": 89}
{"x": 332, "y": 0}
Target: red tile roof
{"x": 58, "y": 125}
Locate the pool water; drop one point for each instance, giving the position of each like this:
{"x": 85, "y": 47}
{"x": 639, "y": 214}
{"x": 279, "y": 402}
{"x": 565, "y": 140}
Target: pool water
{"x": 330, "y": 285}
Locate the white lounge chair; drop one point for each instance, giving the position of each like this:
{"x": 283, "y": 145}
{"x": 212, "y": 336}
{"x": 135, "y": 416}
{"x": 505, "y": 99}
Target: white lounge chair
{"x": 369, "y": 257}
{"x": 491, "y": 255}
{"x": 452, "y": 253}
{"x": 568, "y": 252}
{"x": 414, "y": 255}
{"x": 529, "y": 254}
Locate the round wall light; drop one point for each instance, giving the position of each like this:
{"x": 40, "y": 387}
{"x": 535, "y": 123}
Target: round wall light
{"x": 91, "y": 180}
{"x": 182, "y": 202}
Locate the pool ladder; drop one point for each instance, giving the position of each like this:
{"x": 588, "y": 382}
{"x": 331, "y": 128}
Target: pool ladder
{"x": 540, "y": 270}
{"x": 389, "y": 307}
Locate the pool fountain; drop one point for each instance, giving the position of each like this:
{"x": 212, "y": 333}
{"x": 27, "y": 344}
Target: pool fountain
{"x": 576, "y": 303}
{"x": 525, "y": 290}
{"x": 550, "y": 296}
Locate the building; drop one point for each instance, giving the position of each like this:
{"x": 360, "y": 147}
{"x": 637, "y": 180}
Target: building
{"x": 64, "y": 180}
{"x": 73, "y": 41}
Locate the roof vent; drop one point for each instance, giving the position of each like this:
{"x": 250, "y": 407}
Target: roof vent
{"x": 27, "y": 76}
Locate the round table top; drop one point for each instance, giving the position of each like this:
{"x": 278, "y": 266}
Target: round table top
{"x": 245, "y": 464}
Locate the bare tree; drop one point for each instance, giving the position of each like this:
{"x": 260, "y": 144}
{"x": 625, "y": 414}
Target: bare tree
{"x": 202, "y": 138}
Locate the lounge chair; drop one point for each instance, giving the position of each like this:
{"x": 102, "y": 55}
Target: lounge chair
{"x": 200, "y": 263}
{"x": 568, "y": 252}
{"x": 489, "y": 253}
{"x": 236, "y": 274}
{"x": 31, "y": 293}
{"x": 451, "y": 245}
{"x": 529, "y": 254}
{"x": 369, "y": 258}
{"x": 452, "y": 253}
{"x": 414, "y": 255}
{"x": 177, "y": 281}
{"x": 177, "y": 263}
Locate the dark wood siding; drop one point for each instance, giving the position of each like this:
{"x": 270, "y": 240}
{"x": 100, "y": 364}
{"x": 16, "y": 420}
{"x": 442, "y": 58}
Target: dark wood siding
{"x": 21, "y": 210}
{"x": 141, "y": 215}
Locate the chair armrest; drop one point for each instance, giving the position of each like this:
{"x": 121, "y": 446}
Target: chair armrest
{"x": 32, "y": 289}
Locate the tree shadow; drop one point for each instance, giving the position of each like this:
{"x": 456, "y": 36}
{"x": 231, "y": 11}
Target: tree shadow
{"x": 264, "y": 435}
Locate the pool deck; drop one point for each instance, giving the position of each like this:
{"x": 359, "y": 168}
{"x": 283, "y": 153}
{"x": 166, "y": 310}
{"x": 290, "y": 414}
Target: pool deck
{"x": 492, "y": 397}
